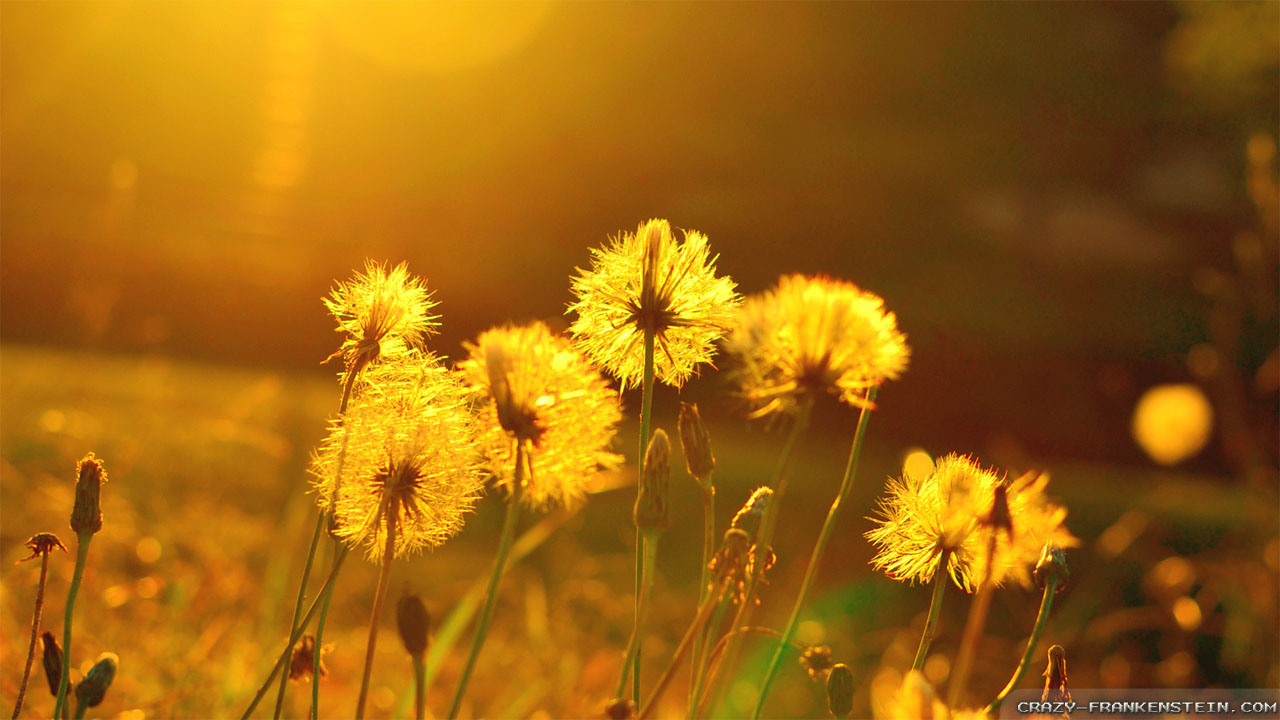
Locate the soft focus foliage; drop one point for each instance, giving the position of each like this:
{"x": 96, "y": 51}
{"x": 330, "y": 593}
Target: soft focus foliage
{"x": 650, "y": 279}
{"x": 810, "y": 336}
{"x": 534, "y": 386}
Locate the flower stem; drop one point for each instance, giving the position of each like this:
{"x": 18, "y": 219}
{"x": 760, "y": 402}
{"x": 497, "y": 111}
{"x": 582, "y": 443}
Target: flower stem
{"x": 297, "y": 605}
{"x": 419, "y": 687}
{"x": 326, "y": 596}
{"x": 846, "y": 485}
{"x": 388, "y": 554}
{"x": 35, "y": 630}
{"x": 705, "y": 609}
{"x": 935, "y": 609}
{"x": 82, "y": 554}
{"x": 293, "y": 638}
{"x": 491, "y": 597}
{"x": 973, "y": 628}
{"x": 708, "y": 549}
{"x": 700, "y": 670}
{"x": 1046, "y": 604}
{"x": 646, "y": 588}
{"x": 646, "y": 418}
{"x": 763, "y": 544}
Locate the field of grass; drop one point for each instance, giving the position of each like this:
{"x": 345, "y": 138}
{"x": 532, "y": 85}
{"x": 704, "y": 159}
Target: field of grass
{"x": 207, "y": 516}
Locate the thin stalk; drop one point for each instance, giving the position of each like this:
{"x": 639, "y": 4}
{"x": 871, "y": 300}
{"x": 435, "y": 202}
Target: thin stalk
{"x": 35, "y": 630}
{"x": 82, "y": 554}
{"x": 700, "y": 670}
{"x": 293, "y": 638}
{"x": 491, "y": 597}
{"x": 650, "y": 555}
{"x": 763, "y": 543}
{"x": 1046, "y": 604}
{"x": 705, "y": 609}
{"x": 708, "y": 549}
{"x": 646, "y": 417}
{"x": 940, "y": 578}
{"x": 419, "y": 687}
{"x": 973, "y": 627}
{"x": 846, "y": 485}
{"x": 388, "y": 554}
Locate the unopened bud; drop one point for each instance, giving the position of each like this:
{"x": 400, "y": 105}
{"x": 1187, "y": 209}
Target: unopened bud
{"x": 1000, "y": 518}
{"x": 1052, "y": 566}
{"x": 748, "y": 517}
{"x": 414, "y": 623}
{"x": 1055, "y": 677}
{"x": 651, "y": 513}
{"x": 52, "y": 660}
{"x": 91, "y": 690}
{"x": 620, "y": 709}
{"x": 816, "y": 659}
{"x": 86, "y": 514}
{"x": 696, "y": 444}
{"x": 840, "y": 690}
{"x": 303, "y": 663}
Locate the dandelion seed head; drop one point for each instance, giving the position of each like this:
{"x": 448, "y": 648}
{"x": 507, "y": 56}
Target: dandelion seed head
{"x": 404, "y": 453}
{"x": 533, "y": 386}
{"x": 385, "y": 313}
{"x": 650, "y": 280}
{"x": 813, "y": 335}
{"x": 947, "y": 513}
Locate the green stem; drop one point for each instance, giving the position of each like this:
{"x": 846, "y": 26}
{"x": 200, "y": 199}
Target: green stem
{"x": 763, "y": 541}
{"x": 419, "y": 687}
{"x": 1046, "y": 604}
{"x": 326, "y": 597}
{"x": 293, "y": 638}
{"x": 35, "y": 630}
{"x": 388, "y": 554}
{"x": 297, "y": 605}
{"x": 633, "y": 645}
{"x": 700, "y": 671}
{"x": 935, "y": 609}
{"x": 705, "y": 609}
{"x": 491, "y": 597}
{"x": 82, "y": 554}
{"x": 708, "y": 549}
{"x": 646, "y": 417}
{"x": 846, "y": 485}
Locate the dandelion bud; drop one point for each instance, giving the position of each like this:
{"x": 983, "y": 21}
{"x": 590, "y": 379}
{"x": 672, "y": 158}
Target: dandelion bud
{"x": 620, "y": 709}
{"x": 52, "y": 661}
{"x": 91, "y": 690}
{"x": 1000, "y": 518}
{"x": 696, "y": 444}
{"x": 753, "y": 509}
{"x": 1055, "y": 677}
{"x": 413, "y": 620}
{"x": 1052, "y": 565}
{"x": 303, "y": 662}
{"x": 840, "y": 690}
{"x": 86, "y": 515}
{"x": 651, "y": 512}
{"x": 816, "y": 659}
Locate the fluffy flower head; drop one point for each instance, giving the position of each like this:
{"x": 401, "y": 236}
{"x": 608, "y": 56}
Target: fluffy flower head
{"x": 404, "y": 454}
{"x": 813, "y": 335}
{"x": 945, "y": 514}
{"x": 384, "y": 312}
{"x": 649, "y": 280}
{"x": 534, "y": 387}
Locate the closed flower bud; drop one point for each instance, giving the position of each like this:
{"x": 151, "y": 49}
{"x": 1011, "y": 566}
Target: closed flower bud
{"x": 651, "y": 512}
{"x": 52, "y": 661}
{"x": 696, "y": 444}
{"x": 748, "y": 517}
{"x": 1052, "y": 565}
{"x": 840, "y": 690}
{"x": 1055, "y": 677}
{"x": 91, "y": 690}
{"x": 86, "y": 515}
{"x": 620, "y": 709}
{"x": 414, "y": 622}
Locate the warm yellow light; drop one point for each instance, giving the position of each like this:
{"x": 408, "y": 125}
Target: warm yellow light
{"x": 917, "y": 464}
{"x": 1187, "y": 612}
{"x": 1172, "y": 422}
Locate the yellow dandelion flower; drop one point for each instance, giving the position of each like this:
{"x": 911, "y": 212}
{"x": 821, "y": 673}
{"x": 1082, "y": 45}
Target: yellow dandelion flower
{"x": 536, "y": 388}
{"x": 403, "y": 453}
{"x": 915, "y": 699}
{"x": 813, "y": 335}
{"x": 650, "y": 281}
{"x": 942, "y": 515}
{"x": 385, "y": 313}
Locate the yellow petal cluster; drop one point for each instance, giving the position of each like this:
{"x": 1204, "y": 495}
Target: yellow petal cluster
{"x": 650, "y": 280}
{"x": 534, "y": 387}
{"x": 813, "y": 335}
{"x": 924, "y": 519}
{"x": 403, "y": 453}
{"x": 385, "y": 313}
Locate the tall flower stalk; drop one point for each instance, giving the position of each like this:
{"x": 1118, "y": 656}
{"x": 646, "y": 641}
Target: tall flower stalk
{"x": 86, "y": 521}
{"x": 1052, "y": 573}
{"x": 647, "y": 291}
{"x": 40, "y": 545}
{"x": 701, "y": 463}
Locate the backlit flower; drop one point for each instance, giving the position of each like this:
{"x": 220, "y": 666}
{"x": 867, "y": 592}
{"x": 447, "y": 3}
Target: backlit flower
{"x": 649, "y": 280}
{"x": 535, "y": 387}
{"x": 384, "y": 312}
{"x": 811, "y": 336}
{"x": 945, "y": 514}
{"x": 404, "y": 453}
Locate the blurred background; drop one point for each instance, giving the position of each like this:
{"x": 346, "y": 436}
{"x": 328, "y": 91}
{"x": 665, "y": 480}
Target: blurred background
{"x": 1066, "y": 206}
